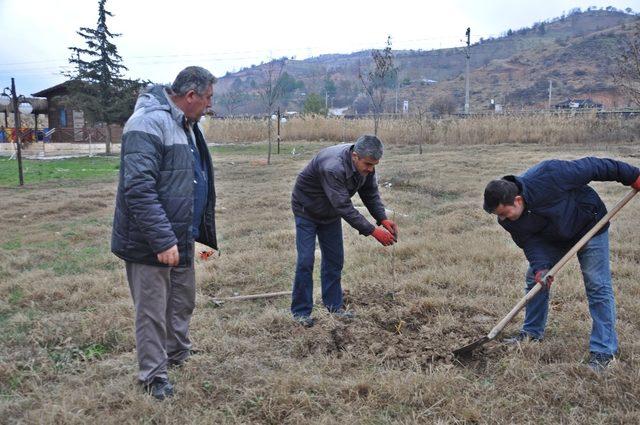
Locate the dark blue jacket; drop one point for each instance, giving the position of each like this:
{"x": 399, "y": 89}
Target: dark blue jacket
{"x": 324, "y": 188}
{"x": 559, "y": 206}
{"x": 155, "y": 199}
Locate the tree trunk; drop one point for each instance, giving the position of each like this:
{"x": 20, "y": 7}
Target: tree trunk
{"x": 421, "y": 135}
{"x": 108, "y": 141}
{"x": 269, "y": 137}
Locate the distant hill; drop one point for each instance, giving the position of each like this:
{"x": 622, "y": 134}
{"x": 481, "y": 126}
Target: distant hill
{"x": 576, "y": 52}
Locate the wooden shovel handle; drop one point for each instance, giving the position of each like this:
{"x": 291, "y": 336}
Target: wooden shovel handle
{"x": 582, "y": 242}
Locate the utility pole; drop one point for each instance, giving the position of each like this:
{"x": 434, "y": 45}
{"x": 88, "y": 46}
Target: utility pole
{"x": 466, "y": 83}
{"x": 549, "y": 102}
{"x": 16, "y": 118}
{"x": 278, "y": 136}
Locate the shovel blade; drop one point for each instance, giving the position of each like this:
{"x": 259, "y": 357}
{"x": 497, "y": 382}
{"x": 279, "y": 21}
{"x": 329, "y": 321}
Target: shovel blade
{"x": 468, "y": 349}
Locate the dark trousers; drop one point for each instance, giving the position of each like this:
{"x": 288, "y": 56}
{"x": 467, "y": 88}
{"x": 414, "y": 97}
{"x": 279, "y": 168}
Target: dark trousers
{"x": 332, "y": 252}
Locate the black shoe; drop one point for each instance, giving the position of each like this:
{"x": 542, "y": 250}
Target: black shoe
{"x": 519, "y": 338}
{"x": 159, "y": 388}
{"x": 306, "y": 321}
{"x": 343, "y": 314}
{"x": 598, "y": 362}
{"x": 177, "y": 363}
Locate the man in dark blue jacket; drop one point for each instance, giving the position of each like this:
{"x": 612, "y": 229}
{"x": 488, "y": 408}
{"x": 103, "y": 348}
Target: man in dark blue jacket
{"x": 165, "y": 202}
{"x": 547, "y": 210}
{"x": 321, "y": 198}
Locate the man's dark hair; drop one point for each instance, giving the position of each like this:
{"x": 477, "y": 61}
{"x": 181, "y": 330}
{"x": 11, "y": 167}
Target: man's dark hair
{"x": 499, "y": 192}
{"x": 193, "y": 78}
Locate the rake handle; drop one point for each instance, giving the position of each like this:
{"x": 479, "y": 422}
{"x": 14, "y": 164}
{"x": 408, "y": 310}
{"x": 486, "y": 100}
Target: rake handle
{"x": 254, "y": 296}
{"x": 582, "y": 242}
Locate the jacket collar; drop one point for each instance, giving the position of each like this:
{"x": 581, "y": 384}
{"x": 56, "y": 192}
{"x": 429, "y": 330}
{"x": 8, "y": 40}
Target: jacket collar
{"x": 176, "y": 113}
{"x": 349, "y": 168}
{"x": 522, "y": 187}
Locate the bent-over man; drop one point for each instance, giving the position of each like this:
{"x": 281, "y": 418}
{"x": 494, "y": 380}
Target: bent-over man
{"x": 547, "y": 210}
{"x": 321, "y": 198}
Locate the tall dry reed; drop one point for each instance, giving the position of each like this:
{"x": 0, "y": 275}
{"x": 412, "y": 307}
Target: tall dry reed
{"x": 545, "y": 129}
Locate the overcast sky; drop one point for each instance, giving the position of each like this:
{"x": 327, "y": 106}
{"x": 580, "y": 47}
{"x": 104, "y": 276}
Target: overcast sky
{"x": 159, "y": 37}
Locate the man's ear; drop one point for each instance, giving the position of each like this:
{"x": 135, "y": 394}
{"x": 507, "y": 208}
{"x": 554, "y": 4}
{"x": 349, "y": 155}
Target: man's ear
{"x": 190, "y": 95}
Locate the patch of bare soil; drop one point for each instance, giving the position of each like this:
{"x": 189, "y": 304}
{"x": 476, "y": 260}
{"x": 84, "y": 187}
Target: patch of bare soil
{"x": 395, "y": 332}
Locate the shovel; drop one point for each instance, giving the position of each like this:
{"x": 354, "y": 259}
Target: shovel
{"x": 468, "y": 349}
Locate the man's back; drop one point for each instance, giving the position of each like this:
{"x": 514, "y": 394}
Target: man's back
{"x": 310, "y": 191}
{"x": 560, "y": 206}
{"x": 323, "y": 190}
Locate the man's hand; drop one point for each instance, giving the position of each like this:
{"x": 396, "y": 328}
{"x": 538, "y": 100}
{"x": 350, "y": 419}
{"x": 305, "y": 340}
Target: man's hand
{"x": 391, "y": 227}
{"x": 383, "y": 236}
{"x": 170, "y": 257}
{"x": 636, "y": 184}
{"x": 538, "y": 278}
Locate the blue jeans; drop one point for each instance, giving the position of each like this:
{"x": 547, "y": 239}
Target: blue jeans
{"x": 594, "y": 264}
{"x": 330, "y": 239}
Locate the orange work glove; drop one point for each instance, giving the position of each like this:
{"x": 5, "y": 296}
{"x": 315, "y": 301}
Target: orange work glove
{"x": 204, "y": 255}
{"x": 538, "y": 278}
{"x": 391, "y": 227}
{"x": 383, "y": 236}
{"x": 636, "y": 184}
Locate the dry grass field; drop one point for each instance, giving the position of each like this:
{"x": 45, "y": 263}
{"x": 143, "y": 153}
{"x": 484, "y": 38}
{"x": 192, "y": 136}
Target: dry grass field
{"x": 67, "y": 348}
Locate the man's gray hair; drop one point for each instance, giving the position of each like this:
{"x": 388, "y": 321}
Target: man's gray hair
{"x": 193, "y": 78}
{"x": 368, "y": 146}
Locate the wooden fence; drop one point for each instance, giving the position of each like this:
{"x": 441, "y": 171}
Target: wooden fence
{"x": 85, "y": 135}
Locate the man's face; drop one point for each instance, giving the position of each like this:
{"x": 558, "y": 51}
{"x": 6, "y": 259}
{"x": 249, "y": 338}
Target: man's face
{"x": 366, "y": 165}
{"x": 510, "y": 212}
{"x": 198, "y": 104}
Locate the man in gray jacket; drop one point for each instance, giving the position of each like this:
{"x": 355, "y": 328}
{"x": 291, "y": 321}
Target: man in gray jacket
{"x": 165, "y": 202}
{"x": 321, "y": 198}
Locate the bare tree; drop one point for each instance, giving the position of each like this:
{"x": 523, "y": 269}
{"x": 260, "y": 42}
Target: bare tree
{"x": 444, "y": 104}
{"x": 271, "y": 91}
{"x": 376, "y": 81}
{"x": 422, "y": 117}
{"x": 627, "y": 76}
{"x": 232, "y": 100}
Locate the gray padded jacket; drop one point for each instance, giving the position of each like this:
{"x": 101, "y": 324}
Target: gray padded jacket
{"x": 154, "y": 203}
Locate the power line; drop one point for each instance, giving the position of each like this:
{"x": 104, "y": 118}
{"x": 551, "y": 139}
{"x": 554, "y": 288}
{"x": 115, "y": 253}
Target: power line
{"x": 260, "y": 55}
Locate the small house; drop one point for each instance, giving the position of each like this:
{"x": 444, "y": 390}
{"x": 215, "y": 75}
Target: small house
{"x": 578, "y": 104}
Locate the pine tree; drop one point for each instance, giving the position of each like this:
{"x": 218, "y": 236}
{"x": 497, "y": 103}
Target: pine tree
{"x": 97, "y": 85}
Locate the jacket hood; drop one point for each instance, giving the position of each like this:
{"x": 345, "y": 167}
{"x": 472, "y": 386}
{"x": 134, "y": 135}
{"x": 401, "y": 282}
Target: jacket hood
{"x": 156, "y": 98}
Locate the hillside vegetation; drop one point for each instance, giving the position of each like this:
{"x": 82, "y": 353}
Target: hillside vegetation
{"x": 577, "y": 52}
